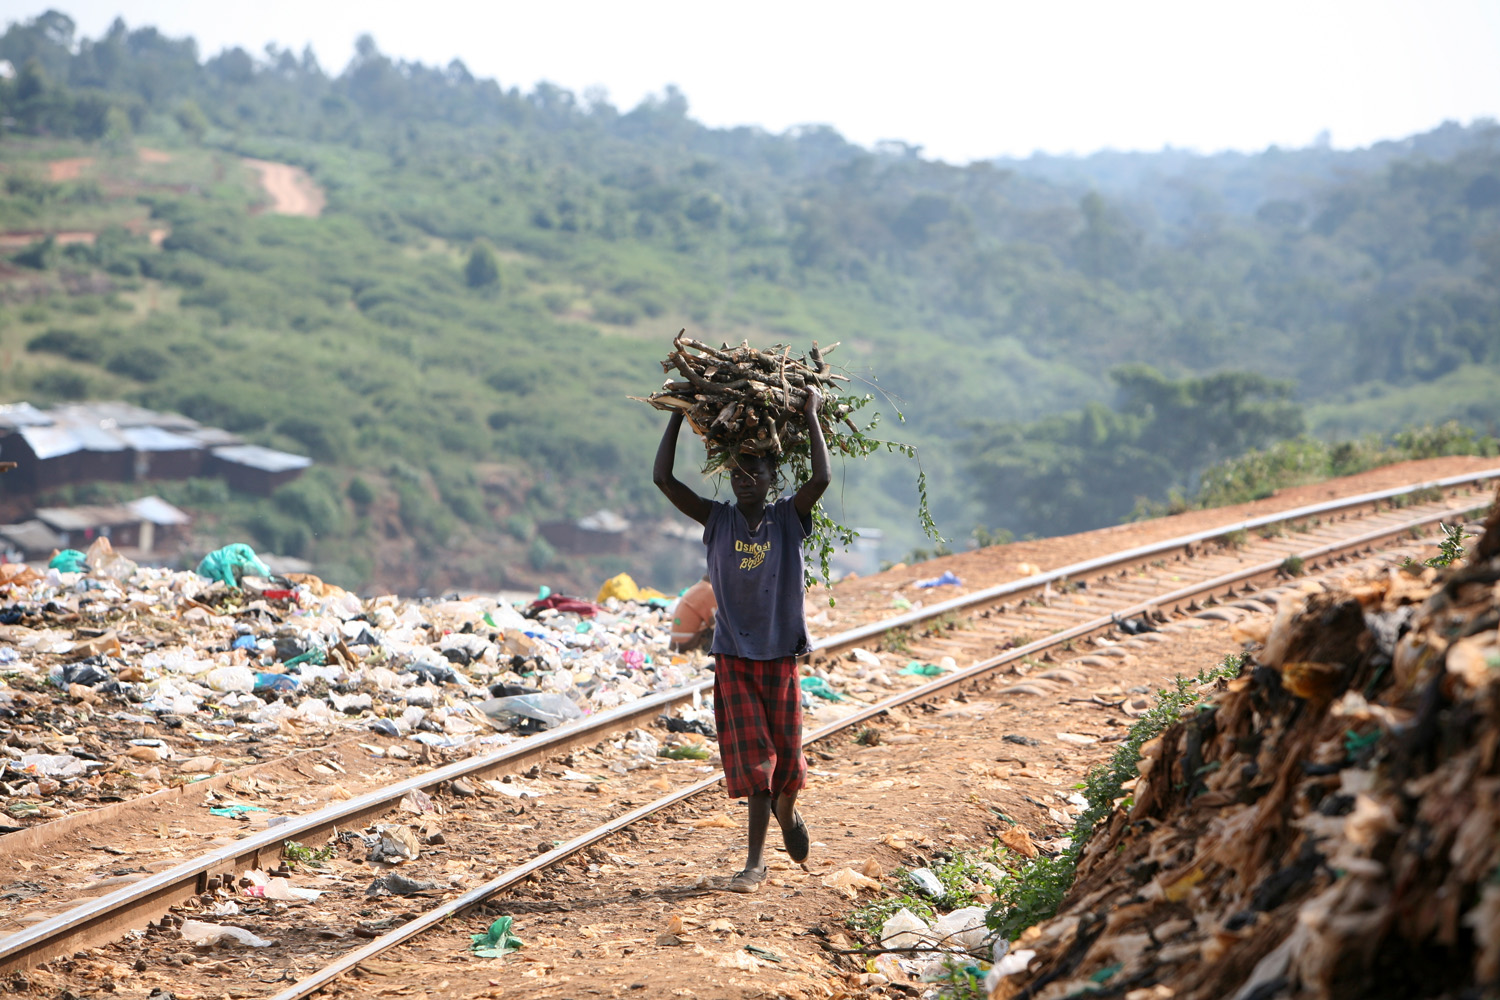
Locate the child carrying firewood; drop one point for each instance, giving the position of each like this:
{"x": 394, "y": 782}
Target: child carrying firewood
{"x": 755, "y": 566}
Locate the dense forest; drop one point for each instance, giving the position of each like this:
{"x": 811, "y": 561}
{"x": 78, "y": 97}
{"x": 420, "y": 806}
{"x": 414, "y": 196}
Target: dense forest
{"x": 1070, "y": 340}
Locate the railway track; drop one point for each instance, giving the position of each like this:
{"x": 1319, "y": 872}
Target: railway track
{"x": 1017, "y": 626}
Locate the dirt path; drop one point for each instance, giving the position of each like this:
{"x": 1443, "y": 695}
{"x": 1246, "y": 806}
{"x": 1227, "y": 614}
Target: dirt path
{"x": 69, "y": 169}
{"x": 292, "y": 191}
{"x": 643, "y": 914}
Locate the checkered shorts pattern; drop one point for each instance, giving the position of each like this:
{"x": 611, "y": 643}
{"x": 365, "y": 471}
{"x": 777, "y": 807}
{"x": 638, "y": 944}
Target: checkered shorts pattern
{"x": 758, "y": 711}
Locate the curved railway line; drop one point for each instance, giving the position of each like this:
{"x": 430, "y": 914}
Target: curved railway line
{"x": 1024, "y": 627}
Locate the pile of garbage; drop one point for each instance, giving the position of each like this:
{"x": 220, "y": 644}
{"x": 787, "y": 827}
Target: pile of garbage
{"x": 1329, "y": 827}
{"x": 234, "y": 653}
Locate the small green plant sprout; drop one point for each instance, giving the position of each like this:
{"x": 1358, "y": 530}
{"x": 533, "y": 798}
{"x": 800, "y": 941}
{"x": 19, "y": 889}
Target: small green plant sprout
{"x": 1036, "y": 889}
{"x": 293, "y": 853}
{"x": 1292, "y": 565}
{"x": 1451, "y": 548}
{"x": 897, "y": 640}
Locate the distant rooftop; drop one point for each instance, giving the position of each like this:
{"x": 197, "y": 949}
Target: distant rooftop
{"x": 158, "y": 511}
{"x": 84, "y": 518}
{"x": 265, "y": 459}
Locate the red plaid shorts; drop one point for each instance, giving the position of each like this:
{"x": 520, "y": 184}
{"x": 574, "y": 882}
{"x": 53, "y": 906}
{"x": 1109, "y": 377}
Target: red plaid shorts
{"x": 758, "y": 711}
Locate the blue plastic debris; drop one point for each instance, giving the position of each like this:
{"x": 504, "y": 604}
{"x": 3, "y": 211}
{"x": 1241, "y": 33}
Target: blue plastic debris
{"x": 947, "y": 579}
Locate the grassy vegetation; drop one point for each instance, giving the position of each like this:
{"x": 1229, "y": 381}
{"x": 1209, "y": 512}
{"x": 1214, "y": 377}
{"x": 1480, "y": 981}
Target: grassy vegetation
{"x": 496, "y": 270}
{"x": 1037, "y": 887}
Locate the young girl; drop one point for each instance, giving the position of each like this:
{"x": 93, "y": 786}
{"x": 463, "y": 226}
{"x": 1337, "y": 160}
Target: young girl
{"x": 755, "y": 566}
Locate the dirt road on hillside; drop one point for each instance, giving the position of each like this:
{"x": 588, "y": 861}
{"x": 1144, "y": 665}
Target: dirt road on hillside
{"x": 292, "y": 191}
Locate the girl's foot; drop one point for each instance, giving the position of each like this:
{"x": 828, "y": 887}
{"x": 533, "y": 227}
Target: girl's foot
{"x": 748, "y": 880}
{"x": 796, "y": 839}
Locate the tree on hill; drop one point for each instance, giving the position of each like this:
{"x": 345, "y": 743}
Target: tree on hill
{"x": 482, "y": 269}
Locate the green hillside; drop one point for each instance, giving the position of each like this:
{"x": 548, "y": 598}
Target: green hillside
{"x": 453, "y": 338}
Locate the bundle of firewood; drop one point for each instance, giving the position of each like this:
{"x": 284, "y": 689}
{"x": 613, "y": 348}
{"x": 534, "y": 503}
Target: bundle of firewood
{"x": 742, "y": 400}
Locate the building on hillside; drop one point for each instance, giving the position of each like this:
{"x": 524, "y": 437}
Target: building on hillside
{"x": 254, "y": 469}
{"x": 161, "y": 523}
{"x": 29, "y": 540}
{"x": 119, "y": 442}
{"x": 601, "y": 533}
{"x": 79, "y": 526}
{"x": 162, "y": 454}
{"x": 143, "y": 525}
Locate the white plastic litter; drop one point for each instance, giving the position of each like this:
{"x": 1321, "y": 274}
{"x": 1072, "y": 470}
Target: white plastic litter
{"x": 197, "y": 932}
{"x": 904, "y": 929}
{"x": 964, "y": 928}
{"x": 231, "y": 679}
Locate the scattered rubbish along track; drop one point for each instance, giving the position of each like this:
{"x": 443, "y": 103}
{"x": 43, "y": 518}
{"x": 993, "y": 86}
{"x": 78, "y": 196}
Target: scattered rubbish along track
{"x": 433, "y": 919}
{"x": 1181, "y": 575}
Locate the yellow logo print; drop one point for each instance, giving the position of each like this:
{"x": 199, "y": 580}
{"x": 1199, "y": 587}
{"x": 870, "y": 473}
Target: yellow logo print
{"x": 757, "y": 553}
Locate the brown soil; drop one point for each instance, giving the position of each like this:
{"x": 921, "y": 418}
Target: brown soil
{"x": 20, "y": 240}
{"x": 291, "y": 190}
{"x": 153, "y": 155}
{"x": 69, "y": 169}
{"x": 940, "y": 779}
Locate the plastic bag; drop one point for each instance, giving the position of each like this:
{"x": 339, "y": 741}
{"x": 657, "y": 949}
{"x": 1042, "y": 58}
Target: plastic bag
{"x": 916, "y": 669}
{"x": 819, "y": 687}
{"x": 947, "y": 579}
{"x": 904, "y": 929}
{"x": 964, "y": 928}
{"x": 196, "y": 932}
{"x": 222, "y": 564}
{"x": 624, "y": 588}
{"x": 69, "y": 561}
{"x": 497, "y": 942}
{"x": 105, "y": 562}
{"x": 550, "y": 709}
{"x": 231, "y": 679}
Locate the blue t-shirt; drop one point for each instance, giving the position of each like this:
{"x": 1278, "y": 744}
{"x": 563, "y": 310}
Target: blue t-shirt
{"x": 757, "y": 581}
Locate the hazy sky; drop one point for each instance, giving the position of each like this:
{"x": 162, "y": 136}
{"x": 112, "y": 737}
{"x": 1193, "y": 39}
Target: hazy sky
{"x": 963, "y": 80}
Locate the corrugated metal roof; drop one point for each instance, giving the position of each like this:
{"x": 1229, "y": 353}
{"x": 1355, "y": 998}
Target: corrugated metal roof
{"x": 157, "y": 511}
{"x": 14, "y": 415}
{"x": 214, "y": 437}
{"x": 50, "y": 442}
{"x": 117, "y": 414}
{"x": 84, "y": 518}
{"x": 92, "y": 437}
{"x": 156, "y": 439}
{"x": 31, "y": 536}
{"x": 265, "y": 459}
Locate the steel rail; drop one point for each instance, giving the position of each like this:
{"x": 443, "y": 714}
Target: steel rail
{"x": 1141, "y": 553}
{"x": 460, "y": 904}
{"x": 142, "y": 901}
{"x": 150, "y": 897}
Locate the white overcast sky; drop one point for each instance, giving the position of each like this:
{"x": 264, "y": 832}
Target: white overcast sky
{"x": 963, "y": 80}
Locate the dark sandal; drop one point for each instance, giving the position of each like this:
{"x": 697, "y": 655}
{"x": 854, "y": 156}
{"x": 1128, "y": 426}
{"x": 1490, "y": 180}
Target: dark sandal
{"x": 748, "y": 880}
{"x": 796, "y": 840}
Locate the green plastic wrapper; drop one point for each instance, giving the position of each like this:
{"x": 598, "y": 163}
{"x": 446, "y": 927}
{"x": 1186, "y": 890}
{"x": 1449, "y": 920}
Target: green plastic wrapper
{"x": 497, "y": 942}
{"x": 917, "y": 669}
{"x": 818, "y": 687}
{"x": 69, "y": 561}
{"x": 220, "y": 564}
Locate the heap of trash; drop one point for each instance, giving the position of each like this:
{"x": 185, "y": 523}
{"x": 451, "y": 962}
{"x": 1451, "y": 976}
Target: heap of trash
{"x": 1328, "y": 827}
{"x": 234, "y": 654}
